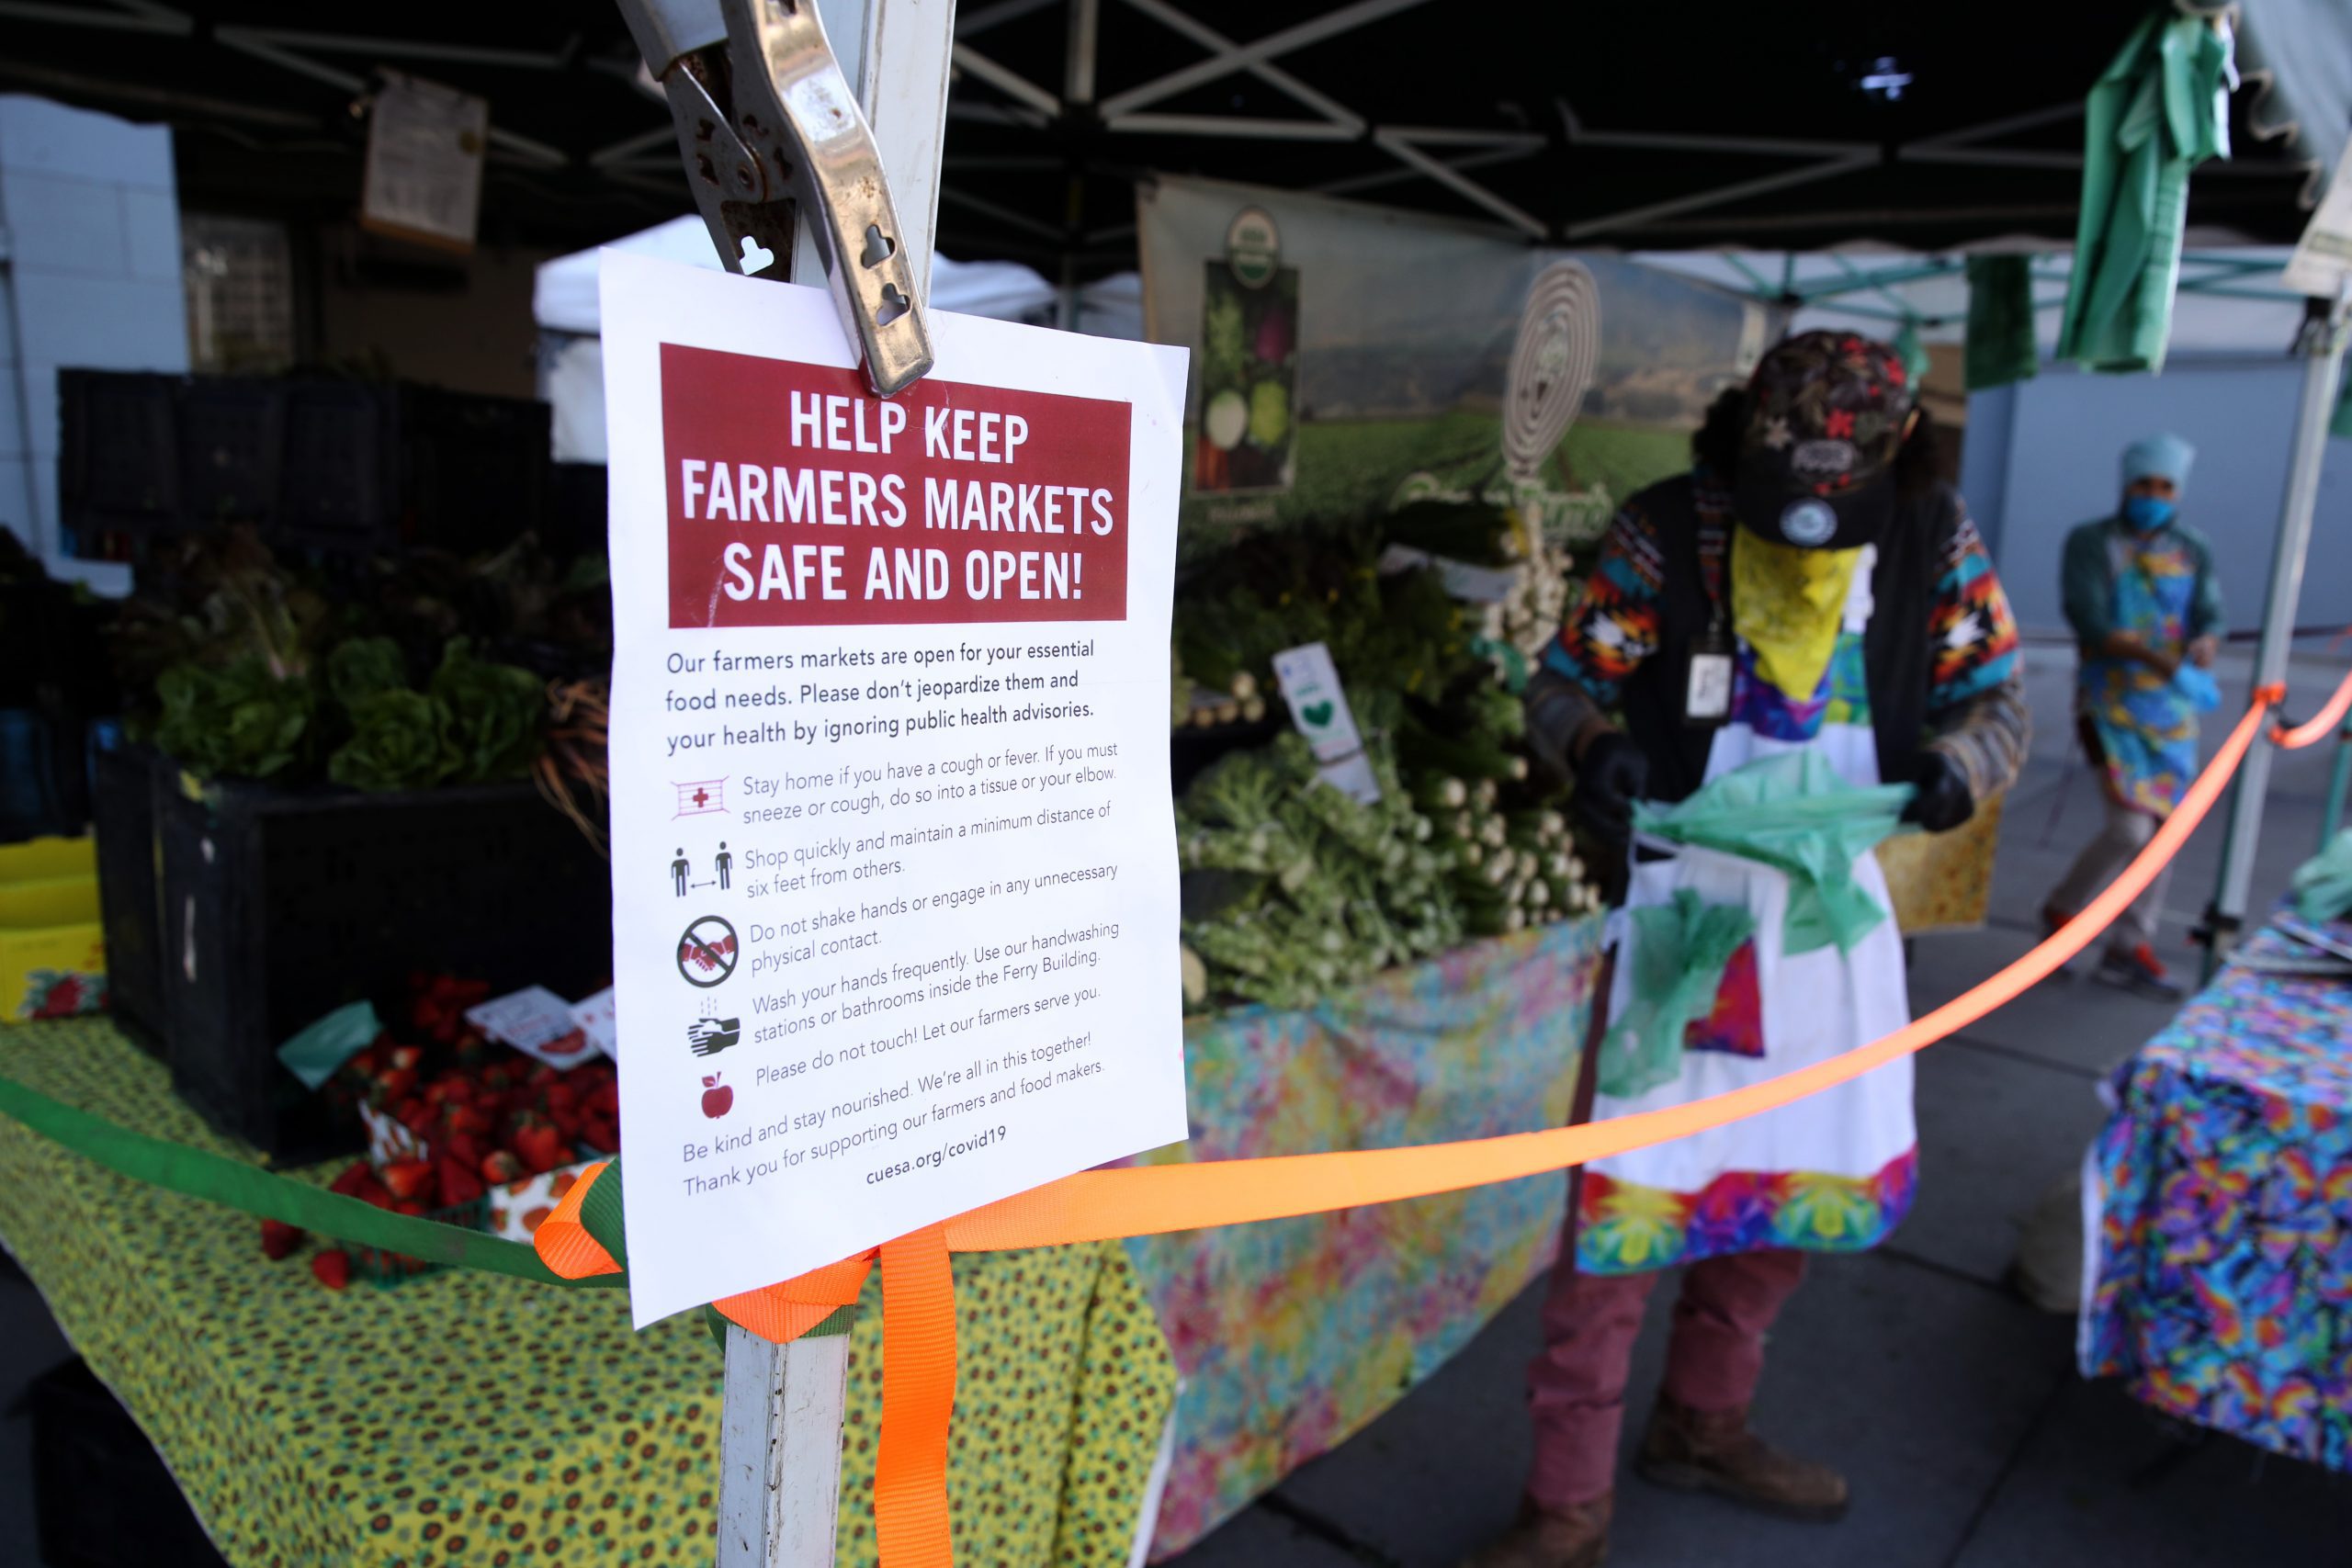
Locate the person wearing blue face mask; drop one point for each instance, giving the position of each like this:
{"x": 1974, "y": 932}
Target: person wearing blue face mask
{"x": 2146, "y": 612}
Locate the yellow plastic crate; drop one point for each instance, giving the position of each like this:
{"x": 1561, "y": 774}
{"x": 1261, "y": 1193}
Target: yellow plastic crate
{"x": 52, "y": 947}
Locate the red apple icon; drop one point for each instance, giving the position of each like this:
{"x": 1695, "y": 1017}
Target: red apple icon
{"x": 717, "y": 1098}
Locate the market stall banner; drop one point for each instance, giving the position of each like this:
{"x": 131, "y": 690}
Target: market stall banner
{"x": 463, "y": 1417}
{"x": 1340, "y": 350}
{"x": 1293, "y": 1336}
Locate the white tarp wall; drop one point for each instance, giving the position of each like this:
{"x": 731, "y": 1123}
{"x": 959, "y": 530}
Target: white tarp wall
{"x": 571, "y": 364}
{"x": 2040, "y": 456}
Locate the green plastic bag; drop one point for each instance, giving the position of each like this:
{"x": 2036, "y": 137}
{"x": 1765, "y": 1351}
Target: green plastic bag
{"x": 1680, "y": 950}
{"x": 1793, "y": 813}
{"x": 2324, "y": 885}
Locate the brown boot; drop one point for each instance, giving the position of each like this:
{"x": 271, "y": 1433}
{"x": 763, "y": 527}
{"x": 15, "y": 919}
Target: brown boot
{"x": 1712, "y": 1450}
{"x": 1572, "y": 1538}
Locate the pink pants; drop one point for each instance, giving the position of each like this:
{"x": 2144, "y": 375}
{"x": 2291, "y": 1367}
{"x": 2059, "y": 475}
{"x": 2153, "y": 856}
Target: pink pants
{"x": 1575, "y": 1387}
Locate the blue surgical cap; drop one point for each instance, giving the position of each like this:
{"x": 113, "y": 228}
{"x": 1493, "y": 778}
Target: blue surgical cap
{"x": 2164, "y": 456}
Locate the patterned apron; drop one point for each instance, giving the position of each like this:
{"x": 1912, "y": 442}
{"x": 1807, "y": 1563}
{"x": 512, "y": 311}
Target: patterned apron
{"x": 1833, "y": 1172}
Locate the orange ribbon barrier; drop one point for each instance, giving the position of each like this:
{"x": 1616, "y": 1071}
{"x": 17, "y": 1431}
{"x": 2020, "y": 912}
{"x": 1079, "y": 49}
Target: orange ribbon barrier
{"x": 2322, "y": 723}
{"x": 919, "y": 1313}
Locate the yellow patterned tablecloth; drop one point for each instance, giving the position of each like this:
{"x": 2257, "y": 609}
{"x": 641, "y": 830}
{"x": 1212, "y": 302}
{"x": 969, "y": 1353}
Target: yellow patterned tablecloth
{"x": 467, "y": 1418}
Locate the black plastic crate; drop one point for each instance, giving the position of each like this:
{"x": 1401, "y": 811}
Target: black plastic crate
{"x": 102, "y": 1496}
{"x": 118, "y": 462}
{"x": 280, "y": 906}
{"x": 232, "y": 446}
{"x": 123, "y": 808}
{"x": 340, "y": 488}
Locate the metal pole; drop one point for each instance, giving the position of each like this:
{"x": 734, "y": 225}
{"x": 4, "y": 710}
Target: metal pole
{"x": 2323, "y": 346}
{"x": 780, "y": 1449}
{"x": 780, "y": 1424}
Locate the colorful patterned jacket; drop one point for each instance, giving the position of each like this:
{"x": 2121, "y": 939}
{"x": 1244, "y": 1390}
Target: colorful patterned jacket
{"x": 1940, "y": 652}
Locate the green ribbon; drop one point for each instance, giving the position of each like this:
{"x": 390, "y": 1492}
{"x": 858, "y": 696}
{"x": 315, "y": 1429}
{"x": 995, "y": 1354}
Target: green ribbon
{"x": 232, "y": 1183}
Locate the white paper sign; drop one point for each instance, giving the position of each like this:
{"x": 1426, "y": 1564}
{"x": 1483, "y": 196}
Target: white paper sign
{"x": 2324, "y": 253}
{"x": 1319, "y": 709}
{"x": 893, "y": 858}
{"x": 536, "y": 1022}
{"x": 423, "y": 176}
{"x": 594, "y": 1016}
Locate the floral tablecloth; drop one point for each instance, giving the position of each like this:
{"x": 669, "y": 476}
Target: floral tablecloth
{"x": 470, "y": 1418}
{"x": 2222, "y": 1285}
{"x": 1291, "y": 1336}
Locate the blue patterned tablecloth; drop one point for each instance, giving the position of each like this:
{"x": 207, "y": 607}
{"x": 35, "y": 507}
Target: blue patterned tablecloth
{"x": 2222, "y": 1289}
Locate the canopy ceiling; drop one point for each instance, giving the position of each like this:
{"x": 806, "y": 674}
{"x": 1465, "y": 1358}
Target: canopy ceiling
{"x": 1658, "y": 126}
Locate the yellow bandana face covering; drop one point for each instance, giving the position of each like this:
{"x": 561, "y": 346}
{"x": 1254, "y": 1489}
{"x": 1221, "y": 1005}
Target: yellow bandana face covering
{"x": 1788, "y": 604}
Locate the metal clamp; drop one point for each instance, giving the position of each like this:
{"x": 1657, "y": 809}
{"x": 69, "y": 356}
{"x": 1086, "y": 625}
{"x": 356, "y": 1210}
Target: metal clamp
{"x": 769, "y": 129}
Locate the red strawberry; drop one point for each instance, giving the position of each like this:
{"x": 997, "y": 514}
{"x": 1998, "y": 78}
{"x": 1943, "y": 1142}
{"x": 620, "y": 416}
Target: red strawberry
{"x": 606, "y": 1101}
{"x": 374, "y": 1191}
{"x": 409, "y": 1207}
{"x": 354, "y": 1177}
{"x": 540, "y": 1076}
{"x": 463, "y": 1148}
{"x": 541, "y": 1147}
{"x": 409, "y": 1178}
{"x": 561, "y": 1096}
{"x": 598, "y": 1134}
{"x": 331, "y": 1268}
{"x": 278, "y": 1240}
{"x": 500, "y": 1167}
{"x": 464, "y": 1119}
{"x": 459, "y": 1184}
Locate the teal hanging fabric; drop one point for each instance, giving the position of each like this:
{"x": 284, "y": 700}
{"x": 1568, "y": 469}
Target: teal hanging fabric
{"x": 2001, "y": 346}
{"x": 1793, "y": 813}
{"x": 1909, "y": 349}
{"x": 2323, "y": 885}
{"x": 2157, "y": 111}
{"x": 1680, "y": 951}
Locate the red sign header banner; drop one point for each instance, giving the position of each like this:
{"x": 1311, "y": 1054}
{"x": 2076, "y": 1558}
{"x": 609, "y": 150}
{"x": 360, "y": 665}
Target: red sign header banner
{"x": 797, "y": 498}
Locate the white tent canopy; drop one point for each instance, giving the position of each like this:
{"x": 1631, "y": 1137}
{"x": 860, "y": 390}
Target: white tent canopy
{"x": 572, "y": 363}
{"x": 564, "y": 299}
{"x": 2231, "y": 299}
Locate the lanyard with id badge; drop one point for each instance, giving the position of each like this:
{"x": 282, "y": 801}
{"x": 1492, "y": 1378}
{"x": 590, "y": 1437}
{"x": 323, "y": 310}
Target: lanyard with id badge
{"x": 1706, "y": 693}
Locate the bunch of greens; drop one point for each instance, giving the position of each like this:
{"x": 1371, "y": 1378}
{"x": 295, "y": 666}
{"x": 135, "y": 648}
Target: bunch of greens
{"x": 241, "y": 719}
{"x": 1294, "y": 889}
{"x": 1394, "y": 631}
{"x": 474, "y": 723}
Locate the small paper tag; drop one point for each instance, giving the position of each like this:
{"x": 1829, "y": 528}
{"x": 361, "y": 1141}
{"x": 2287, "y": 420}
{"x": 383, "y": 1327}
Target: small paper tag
{"x": 1318, "y": 708}
{"x": 536, "y": 1022}
{"x": 596, "y": 1018}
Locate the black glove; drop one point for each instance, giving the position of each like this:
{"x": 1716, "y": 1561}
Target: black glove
{"x": 1610, "y": 775}
{"x": 1944, "y": 800}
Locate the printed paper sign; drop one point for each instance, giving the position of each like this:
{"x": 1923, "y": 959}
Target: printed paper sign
{"x": 894, "y": 862}
{"x": 423, "y": 176}
{"x": 536, "y": 1022}
{"x": 2323, "y": 256}
{"x": 593, "y": 1015}
{"x": 1318, "y": 708}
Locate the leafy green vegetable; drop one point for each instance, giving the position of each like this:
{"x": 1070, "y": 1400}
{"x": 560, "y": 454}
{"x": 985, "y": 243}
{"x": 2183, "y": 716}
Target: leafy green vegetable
{"x": 1221, "y": 346}
{"x": 494, "y": 713}
{"x": 239, "y": 721}
{"x": 400, "y": 739}
{"x": 360, "y": 668}
{"x": 1269, "y": 413}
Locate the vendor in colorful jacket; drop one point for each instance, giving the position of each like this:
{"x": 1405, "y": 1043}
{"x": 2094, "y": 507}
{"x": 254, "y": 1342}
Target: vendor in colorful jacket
{"x": 2140, "y": 594}
{"x": 1808, "y": 585}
